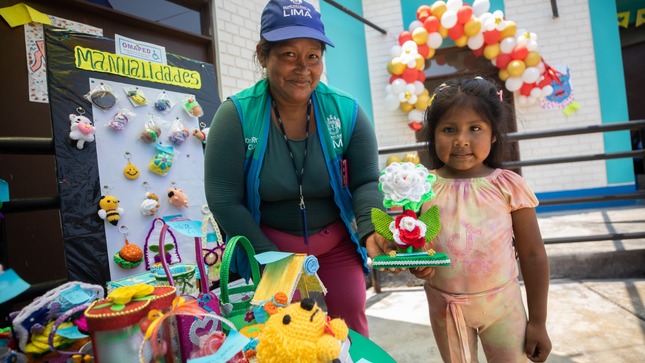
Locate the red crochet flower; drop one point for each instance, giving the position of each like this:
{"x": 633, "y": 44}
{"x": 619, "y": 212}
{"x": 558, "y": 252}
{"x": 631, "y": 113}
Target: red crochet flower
{"x": 408, "y": 230}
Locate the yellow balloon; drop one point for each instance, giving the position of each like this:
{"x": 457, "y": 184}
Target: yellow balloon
{"x": 425, "y": 92}
{"x": 503, "y": 74}
{"x": 515, "y": 68}
{"x": 406, "y": 107}
{"x": 392, "y": 159}
{"x": 423, "y": 102}
{"x": 461, "y": 41}
{"x": 396, "y": 67}
{"x": 438, "y": 8}
{"x": 532, "y": 59}
{"x": 472, "y": 27}
{"x": 411, "y": 157}
{"x": 509, "y": 31}
{"x": 420, "y": 35}
{"x": 491, "y": 51}
{"x": 430, "y": 53}
{"x": 443, "y": 31}
{"x": 420, "y": 62}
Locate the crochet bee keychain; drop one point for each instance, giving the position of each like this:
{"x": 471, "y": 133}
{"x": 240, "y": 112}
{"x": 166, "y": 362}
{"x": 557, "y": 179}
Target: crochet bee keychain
{"x": 81, "y": 128}
{"x": 130, "y": 255}
{"x": 109, "y": 209}
{"x": 130, "y": 171}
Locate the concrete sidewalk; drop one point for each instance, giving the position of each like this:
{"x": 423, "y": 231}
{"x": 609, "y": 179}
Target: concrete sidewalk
{"x": 596, "y": 307}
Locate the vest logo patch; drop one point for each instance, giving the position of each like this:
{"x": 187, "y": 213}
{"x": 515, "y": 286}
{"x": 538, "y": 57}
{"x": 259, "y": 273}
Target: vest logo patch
{"x": 333, "y": 125}
{"x": 250, "y": 142}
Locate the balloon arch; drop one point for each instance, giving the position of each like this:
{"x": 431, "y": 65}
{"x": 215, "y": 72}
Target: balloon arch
{"x": 514, "y": 52}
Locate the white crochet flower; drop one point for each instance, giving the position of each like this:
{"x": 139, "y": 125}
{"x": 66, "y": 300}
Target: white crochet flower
{"x": 404, "y": 183}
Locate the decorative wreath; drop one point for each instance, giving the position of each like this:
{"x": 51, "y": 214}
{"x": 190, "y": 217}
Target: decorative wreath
{"x": 513, "y": 52}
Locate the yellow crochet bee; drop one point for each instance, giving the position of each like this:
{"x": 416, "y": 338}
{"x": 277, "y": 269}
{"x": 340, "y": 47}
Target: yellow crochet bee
{"x": 301, "y": 333}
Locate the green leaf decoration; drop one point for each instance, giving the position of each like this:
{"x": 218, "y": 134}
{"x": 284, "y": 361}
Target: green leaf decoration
{"x": 381, "y": 221}
{"x": 143, "y": 298}
{"x": 102, "y": 306}
{"x": 168, "y": 247}
{"x": 431, "y": 219}
{"x": 117, "y": 307}
{"x": 153, "y": 248}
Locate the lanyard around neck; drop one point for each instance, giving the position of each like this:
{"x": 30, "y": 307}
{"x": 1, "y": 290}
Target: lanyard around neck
{"x": 299, "y": 173}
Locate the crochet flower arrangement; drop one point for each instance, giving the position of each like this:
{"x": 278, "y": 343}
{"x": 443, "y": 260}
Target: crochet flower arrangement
{"x": 408, "y": 186}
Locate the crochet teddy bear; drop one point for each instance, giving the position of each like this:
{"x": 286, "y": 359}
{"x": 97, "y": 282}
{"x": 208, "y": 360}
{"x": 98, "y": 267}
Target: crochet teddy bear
{"x": 301, "y": 332}
{"x": 81, "y": 129}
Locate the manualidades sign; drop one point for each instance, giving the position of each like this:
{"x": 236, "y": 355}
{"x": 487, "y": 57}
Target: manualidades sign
{"x": 98, "y": 61}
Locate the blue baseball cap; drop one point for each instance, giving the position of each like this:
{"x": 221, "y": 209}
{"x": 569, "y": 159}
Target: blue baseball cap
{"x": 291, "y": 19}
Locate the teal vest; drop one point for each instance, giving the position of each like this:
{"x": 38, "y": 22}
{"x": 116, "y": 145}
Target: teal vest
{"x": 335, "y": 113}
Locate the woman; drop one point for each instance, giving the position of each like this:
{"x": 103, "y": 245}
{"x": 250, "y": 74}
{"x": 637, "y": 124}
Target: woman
{"x": 292, "y": 164}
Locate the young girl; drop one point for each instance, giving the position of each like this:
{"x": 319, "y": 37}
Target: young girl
{"x": 487, "y": 219}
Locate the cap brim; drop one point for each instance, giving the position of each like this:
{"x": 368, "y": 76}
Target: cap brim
{"x": 294, "y": 32}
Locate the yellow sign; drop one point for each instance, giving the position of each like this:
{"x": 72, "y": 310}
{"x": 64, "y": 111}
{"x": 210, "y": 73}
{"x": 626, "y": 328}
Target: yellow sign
{"x": 98, "y": 61}
{"x": 21, "y": 14}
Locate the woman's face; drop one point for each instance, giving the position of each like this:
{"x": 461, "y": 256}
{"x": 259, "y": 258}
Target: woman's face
{"x": 293, "y": 69}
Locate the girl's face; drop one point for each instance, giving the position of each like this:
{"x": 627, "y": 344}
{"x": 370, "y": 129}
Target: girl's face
{"x": 463, "y": 141}
{"x": 293, "y": 69}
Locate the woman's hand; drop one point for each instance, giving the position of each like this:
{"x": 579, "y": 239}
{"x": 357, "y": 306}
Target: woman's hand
{"x": 378, "y": 245}
{"x": 423, "y": 273}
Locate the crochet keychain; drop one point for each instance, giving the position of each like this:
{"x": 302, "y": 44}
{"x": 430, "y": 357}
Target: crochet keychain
{"x": 177, "y": 197}
{"x": 178, "y": 133}
{"x": 136, "y": 96}
{"x": 130, "y": 171}
{"x": 129, "y": 256}
{"x": 151, "y": 247}
{"x": 163, "y": 159}
{"x": 201, "y": 133}
{"x": 164, "y": 103}
{"x": 81, "y": 128}
{"x": 151, "y": 131}
{"x": 121, "y": 119}
{"x": 102, "y": 97}
{"x": 109, "y": 209}
{"x": 150, "y": 205}
{"x": 212, "y": 255}
{"x": 192, "y": 107}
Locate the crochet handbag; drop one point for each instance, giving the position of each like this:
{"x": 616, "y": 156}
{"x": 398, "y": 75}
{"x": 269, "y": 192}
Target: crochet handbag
{"x": 236, "y": 301}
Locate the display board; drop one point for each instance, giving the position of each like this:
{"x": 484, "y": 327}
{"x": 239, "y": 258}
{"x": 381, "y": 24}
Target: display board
{"x": 91, "y": 169}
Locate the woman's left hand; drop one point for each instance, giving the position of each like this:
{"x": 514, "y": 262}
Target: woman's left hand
{"x": 377, "y": 245}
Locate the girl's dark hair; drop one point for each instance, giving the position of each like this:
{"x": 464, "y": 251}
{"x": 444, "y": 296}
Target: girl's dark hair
{"x": 479, "y": 95}
{"x": 265, "y": 46}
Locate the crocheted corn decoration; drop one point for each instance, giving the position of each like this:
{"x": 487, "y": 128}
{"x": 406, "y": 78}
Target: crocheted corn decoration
{"x": 301, "y": 333}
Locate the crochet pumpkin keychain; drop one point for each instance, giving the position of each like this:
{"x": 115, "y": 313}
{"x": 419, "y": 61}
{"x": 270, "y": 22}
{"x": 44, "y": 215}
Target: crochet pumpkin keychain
{"x": 81, "y": 128}
{"x": 212, "y": 255}
{"x": 130, "y": 171}
{"x": 130, "y": 256}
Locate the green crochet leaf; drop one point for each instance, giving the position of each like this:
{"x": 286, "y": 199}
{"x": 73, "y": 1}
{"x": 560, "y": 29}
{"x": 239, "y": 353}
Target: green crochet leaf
{"x": 381, "y": 221}
{"x": 431, "y": 219}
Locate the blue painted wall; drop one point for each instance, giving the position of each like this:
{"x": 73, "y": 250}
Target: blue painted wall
{"x": 346, "y": 64}
{"x": 611, "y": 86}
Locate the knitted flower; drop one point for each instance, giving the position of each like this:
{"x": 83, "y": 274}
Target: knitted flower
{"x": 408, "y": 231}
{"x": 406, "y": 185}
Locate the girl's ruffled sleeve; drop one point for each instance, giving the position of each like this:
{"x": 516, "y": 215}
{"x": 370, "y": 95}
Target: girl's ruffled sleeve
{"x": 514, "y": 188}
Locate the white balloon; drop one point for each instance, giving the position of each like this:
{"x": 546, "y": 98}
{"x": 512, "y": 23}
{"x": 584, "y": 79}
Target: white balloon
{"x": 415, "y": 24}
{"x": 513, "y": 83}
{"x": 532, "y": 45}
{"x": 546, "y": 91}
{"x": 531, "y": 75}
{"x": 480, "y": 7}
{"x": 535, "y": 93}
{"x": 454, "y": 5}
{"x": 391, "y": 102}
{"x": 540, "y": 67}
{"x": 507, "y": 44}
{"x": 434, "y": 40}
{"x": 418, "y": 87}
{"x": 522, "y": 100}
{"x": 415, "y": 115}
{"x": 449, "y": 19}
{"x": 388, "y": 89}
{"x": 409, "y": 46}
{"x": 395, "y": 51}
{"x": 476, "y": 41}
{"x": 398, "y": 86}
{"x": 522, "y": 38}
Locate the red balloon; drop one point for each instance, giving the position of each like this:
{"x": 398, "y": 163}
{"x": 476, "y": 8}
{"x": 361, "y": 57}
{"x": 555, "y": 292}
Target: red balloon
{"x": 502, "y": 60}
{"x": 410, "y": 75}
{"x": 393, "y": 78}
{"x": 404, "y": 37}
{"x": 479, "y": 52}
{"x": 423, "y": 50}
{"x": 421, "y": 77}
{"x": 526, "y": 88}
{"x": 456, "y": 31}
{"x": 415, "y": 126}
{"x": 519, "y": 52}
{"x": 546, "y": 81}
{"x": 423, "y": 12}
{"x": 441, "y": 59}
{"x": 431, "y": 24}
{"x": 464, "y": 14}
{"x": 492, "y": 36}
